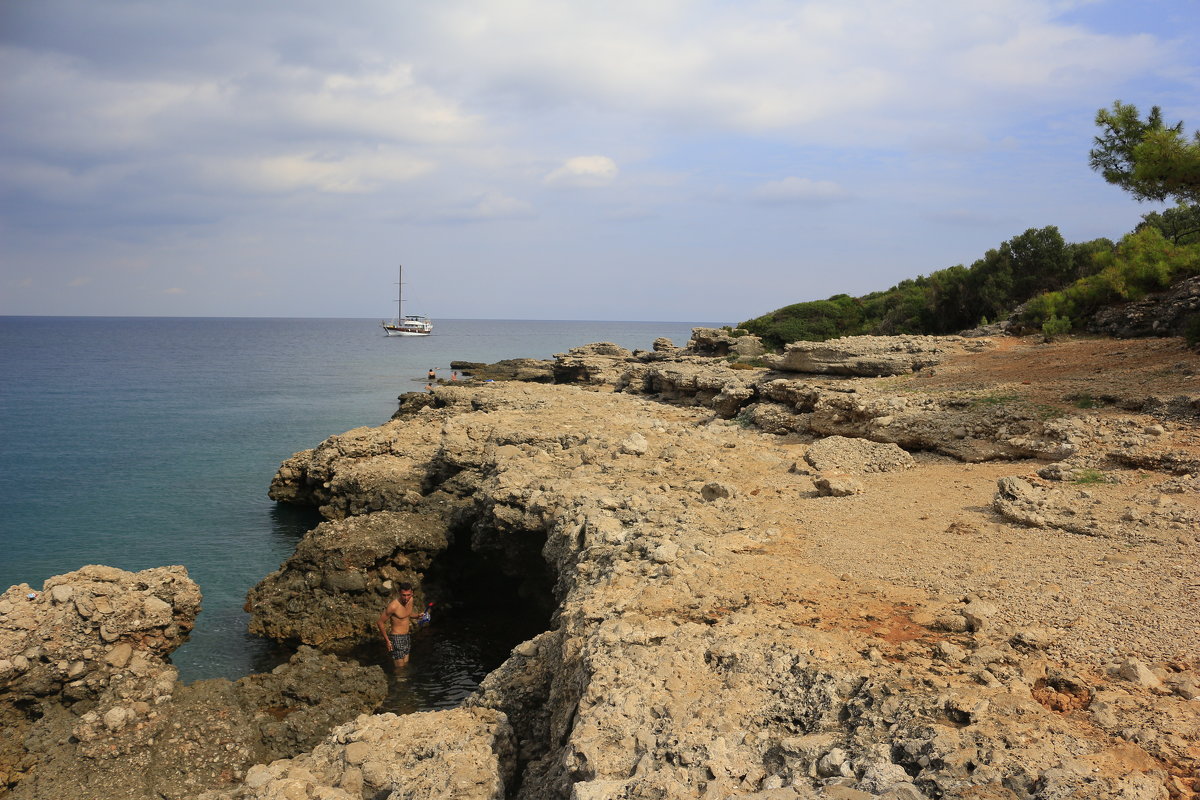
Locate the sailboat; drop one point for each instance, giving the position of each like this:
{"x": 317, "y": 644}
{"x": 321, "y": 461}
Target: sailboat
{"x": 406, "y": 324}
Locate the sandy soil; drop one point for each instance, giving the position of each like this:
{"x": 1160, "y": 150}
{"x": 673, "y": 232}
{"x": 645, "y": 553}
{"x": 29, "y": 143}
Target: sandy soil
{"x": 933, "y": 528}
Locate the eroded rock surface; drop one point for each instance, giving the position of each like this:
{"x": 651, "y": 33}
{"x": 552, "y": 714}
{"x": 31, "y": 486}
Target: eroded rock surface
{"x": 330, "y": 591}
{"x": 724, "y": 630}
{"x": 91, "y": 707}
{"x": 462, "y": 754}
{"x": 871, "y": 356}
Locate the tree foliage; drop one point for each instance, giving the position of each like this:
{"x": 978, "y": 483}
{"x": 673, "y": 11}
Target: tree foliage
{"x": 1059, "y": 284}
{"x": 1179, "y": 225}
{"x": 1143, "y": 262}
{"x": 946, "y": 301}
{"x": 1147, "y": 158}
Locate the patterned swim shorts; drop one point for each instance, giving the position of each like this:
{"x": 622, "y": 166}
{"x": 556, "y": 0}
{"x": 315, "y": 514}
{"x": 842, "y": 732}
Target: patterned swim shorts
{"x": 401, "y": 645}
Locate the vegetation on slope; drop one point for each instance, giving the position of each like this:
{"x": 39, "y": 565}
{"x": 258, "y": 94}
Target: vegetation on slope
{"x": 1056, "y": 285}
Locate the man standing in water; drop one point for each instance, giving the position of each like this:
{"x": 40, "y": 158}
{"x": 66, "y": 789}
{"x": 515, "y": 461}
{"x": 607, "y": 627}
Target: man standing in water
{"x": 395, "y": 623}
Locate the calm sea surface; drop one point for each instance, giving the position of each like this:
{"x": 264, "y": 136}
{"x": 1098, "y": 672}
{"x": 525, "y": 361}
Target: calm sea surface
{"x": 142, "y": 442}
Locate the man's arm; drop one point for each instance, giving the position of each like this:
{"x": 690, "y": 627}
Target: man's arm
{"x": 383, "y": 623}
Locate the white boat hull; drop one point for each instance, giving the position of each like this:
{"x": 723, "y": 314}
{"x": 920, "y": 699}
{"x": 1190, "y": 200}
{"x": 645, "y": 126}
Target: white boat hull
{"x": 405, "y": 324}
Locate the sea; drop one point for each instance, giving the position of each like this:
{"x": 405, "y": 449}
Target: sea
{"x": 139, "y": 442}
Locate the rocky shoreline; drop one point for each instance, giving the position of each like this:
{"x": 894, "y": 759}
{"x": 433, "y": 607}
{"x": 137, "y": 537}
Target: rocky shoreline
{"x": 901, "y": 567}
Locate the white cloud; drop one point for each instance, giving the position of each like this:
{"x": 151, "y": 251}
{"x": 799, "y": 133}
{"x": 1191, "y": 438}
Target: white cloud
{"x": 846, "y": 71}
{"x": 386, "y": 103}
{"x": 801, "y": 191}
{"x": 588, "y": 171}
{"x": 485, "y": 206}
{"x": 494, "y": 205}
{"x": 356, "y": 173}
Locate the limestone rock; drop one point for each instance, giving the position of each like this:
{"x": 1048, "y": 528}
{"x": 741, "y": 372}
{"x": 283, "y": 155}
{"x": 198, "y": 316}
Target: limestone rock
{"x": 330, "y": 591}
{"x": 837, "y": 484}
{"x": 464, "y": 754}
{"x": 719, "y": 342}
{"x": 870, "y": 356}
{"x": 856, "y": 455}
{"x": 155, "y": 738}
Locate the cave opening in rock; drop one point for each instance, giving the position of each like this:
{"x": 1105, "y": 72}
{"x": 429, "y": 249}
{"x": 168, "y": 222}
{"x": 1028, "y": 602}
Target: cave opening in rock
{"x": 490, "y": 592}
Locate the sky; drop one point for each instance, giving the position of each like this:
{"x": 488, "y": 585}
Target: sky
{"x": 707, "y": 160}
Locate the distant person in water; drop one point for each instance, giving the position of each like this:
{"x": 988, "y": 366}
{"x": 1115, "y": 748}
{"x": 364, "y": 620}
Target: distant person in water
{"x": 453, "y": 376}
{"x": 432, "y": 375}
{"x": 395, "y": 624}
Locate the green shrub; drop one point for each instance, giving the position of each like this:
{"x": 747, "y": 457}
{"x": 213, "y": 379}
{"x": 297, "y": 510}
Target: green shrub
{"x": 1056, "y": 326}
{"x": 1090, "y": 476}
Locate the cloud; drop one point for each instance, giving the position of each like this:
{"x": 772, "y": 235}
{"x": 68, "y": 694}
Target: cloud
{"x": 586, "y": 171}
{"x": 255, "y": 135}
{"x": 489, "y": 205}
{"x": 812, "y": 71}
{"x": 799, "y": 191}
{"x": 349, "y": 173}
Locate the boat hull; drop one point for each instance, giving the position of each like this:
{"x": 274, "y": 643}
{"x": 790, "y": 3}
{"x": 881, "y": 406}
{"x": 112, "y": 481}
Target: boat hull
{"x": 411, "y": 325}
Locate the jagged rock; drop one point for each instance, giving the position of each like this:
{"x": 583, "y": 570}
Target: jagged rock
{"x": 362, "y": 470}
{"x": 600, "y": 362}
{"x": 720, "y": 342}
{"x": 197, "y": 737}
{"x": 464, "y": 754}
{"x": 331, "y": 590}
{"x": 90, "y": 707}
{"x": 664, "y": 345}
{"x": 98, "y": 617}
{"x": 1159, "y": 314}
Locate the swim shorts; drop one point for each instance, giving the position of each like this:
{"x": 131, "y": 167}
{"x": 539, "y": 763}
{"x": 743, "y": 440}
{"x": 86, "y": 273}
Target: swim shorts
{"x": 401, "y": 645}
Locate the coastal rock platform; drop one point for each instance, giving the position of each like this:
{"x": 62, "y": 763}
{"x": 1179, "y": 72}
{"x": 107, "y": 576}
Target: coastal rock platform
{"x": 1006, "y": 606}
{"x": 972, "y": 577}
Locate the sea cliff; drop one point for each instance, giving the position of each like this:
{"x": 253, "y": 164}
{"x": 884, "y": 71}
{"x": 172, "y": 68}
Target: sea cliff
{"x": 907, "y": 567}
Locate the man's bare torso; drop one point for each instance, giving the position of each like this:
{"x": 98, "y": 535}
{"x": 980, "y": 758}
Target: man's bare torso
{"x": 398, "y": 616}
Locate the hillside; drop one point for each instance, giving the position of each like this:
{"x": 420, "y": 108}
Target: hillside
{"x": 1033, "y": 282}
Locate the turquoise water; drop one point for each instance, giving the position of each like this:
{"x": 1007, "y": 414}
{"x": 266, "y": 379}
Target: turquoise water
{"x": 141, "y": 442}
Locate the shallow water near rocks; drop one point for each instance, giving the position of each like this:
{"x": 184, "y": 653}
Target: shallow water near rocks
{"x": 450, "y": 657}
{"x": 142, "y": 442}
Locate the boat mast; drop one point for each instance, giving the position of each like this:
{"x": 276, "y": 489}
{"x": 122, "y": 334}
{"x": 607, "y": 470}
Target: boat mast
{"x": 400, "y": 294}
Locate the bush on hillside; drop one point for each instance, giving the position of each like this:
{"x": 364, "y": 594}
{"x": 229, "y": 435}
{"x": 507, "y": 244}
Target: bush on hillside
{"x": 1143, "y": 262}
{"x": 946, "y": 301}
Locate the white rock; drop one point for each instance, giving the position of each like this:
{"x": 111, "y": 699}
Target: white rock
{"x": 116, "y": 717}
